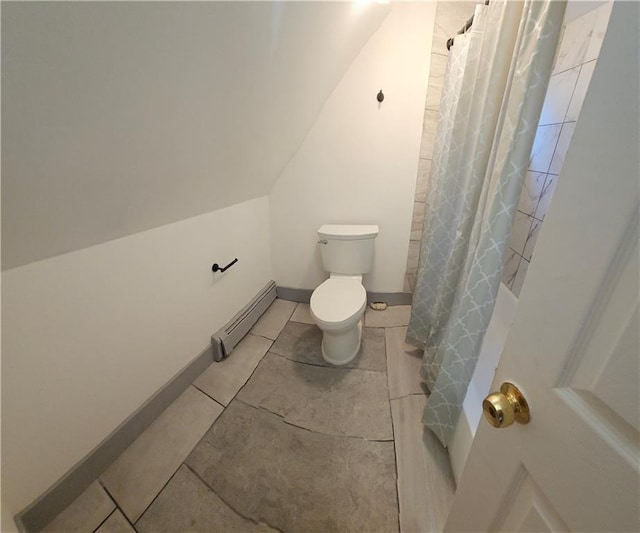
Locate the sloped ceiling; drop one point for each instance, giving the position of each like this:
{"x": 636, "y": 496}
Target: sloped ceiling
{"x": 119, "y": 117}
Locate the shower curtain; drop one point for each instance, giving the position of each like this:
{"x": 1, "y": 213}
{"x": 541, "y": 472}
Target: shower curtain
{"x": 493, "y": 94}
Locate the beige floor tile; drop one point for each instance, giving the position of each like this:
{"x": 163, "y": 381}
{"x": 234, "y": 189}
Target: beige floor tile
{"x": 392, "y": 316}
{"x": 335, "y": 401}
{"x": 425, "y": 479}
{"x": 186, "y": 504}
{"x": 294, "y": 479}
{"x": 403, "y": 364}
{"x": 274, "y": 319}
{"x": 138, "y": 475}
{"x": 222, "y": 380}
{"x": 85, "y": 513}
{"x": 116, "y": 523}
{"x": 302, "y": 314}
{"x": 303, "y": 343}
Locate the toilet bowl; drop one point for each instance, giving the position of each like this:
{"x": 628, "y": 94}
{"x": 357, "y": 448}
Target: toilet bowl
{"x": 337, "y": 307}
{"x": 338, "y": 303}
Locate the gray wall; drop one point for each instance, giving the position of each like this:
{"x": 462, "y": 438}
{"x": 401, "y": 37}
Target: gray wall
{"x": 119, "y": 117}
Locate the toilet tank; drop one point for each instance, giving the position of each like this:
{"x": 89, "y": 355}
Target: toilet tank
{"x": 347, "y": 249}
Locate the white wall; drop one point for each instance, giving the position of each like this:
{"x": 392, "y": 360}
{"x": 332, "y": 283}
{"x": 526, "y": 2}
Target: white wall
{"x": 358, "y": 164}
{"x": 88, "y": 336}
{"x": 120, "y": 117}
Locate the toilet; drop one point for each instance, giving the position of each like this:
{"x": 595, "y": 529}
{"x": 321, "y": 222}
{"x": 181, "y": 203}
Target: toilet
{"x": 338, "y": 303}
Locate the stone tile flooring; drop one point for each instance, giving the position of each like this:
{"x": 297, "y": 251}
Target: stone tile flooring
{"x": 275, "y": 439}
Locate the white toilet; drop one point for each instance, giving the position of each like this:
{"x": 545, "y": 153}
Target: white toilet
{"x": 338, "y": 304}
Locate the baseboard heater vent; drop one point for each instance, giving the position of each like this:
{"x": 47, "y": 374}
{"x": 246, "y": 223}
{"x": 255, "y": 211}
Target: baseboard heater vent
{"x": 225, "y": 339}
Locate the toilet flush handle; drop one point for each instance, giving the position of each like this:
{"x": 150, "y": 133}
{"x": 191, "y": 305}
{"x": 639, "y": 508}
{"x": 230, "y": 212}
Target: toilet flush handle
{"x": 323, "y": 241}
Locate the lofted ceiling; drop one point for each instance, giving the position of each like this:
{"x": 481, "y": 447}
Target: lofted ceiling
{"x": 119, "y": 117}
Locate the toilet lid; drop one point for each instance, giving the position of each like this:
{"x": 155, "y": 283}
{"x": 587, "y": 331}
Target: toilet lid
{"x": 337, "y": 300}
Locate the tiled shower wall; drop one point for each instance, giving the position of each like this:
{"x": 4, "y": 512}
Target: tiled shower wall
{"x": 576, "y": 58}
{"x": 577, "y": 54}
{"x": 450, "y": 17}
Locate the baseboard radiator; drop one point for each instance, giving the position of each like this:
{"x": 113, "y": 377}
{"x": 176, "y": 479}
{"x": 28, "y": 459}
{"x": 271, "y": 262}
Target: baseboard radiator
{"x": 225, "y": 339}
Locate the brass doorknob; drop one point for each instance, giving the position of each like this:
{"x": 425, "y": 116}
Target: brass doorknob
{"x": 502, "y": 408}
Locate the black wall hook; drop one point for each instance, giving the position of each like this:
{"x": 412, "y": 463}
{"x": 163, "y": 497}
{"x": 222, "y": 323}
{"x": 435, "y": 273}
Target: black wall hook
{"x": 380, "y": 96}
{"x": 217, "y": 268}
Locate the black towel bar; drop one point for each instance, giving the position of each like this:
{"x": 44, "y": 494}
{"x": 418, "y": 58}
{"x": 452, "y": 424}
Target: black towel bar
{"x": 217, "y": 268}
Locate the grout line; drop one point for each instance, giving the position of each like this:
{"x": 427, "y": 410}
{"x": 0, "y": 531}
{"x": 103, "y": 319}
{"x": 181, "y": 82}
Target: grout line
{"x": 296, "y": 361}
{"x": 393, "y": 429}
{"x": 248, "y": 378}
{"x": 254, "y": 335}
{"x": 208, "y": 396}
{"x": 227, "y": 504}
{"x": 107, "y": 518}
{"x": 285, "y": 323}
{"x": 291, "y": 319}
{"x": 575, "y": 66}
{"x": 555, "y": 148}
{"x": 533, "y": 226}
{"x": 108, "y": 493}
{"x": 573, "y": 92}
{"x": 356, "y": 437}
{"x": 512, "y": 277}
{"x": 524, "y": 212}
{"x": 305, "y": 323}
{"x": 154, "y": 498}
{"x": 547, "y": 124}
{"x": 259, "y": 407}
{"x": 411, "y": 393}
{"x": 284, "y": 420}
{"x": 541, "y": 125}
{"x": 128, "y": 521}
{"x": 519, "y": 254}
{"x": 224, "y": 407}
{"x": 116, "y": 504}
{"x": 288, "y": 318}
{"x": 544, "y": 191}
{"x": 326, "y": 366}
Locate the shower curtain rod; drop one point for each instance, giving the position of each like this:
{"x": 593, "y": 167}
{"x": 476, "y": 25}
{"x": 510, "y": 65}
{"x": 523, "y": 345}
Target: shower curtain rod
{"x": 464, "y": 28}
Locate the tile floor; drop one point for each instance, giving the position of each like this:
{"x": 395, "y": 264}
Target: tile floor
{"x": 275, "y": 439}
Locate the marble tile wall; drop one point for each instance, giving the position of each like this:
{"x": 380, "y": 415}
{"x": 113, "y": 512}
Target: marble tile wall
{"x": 450, "y": 16}
{"x": 575, "y": 60}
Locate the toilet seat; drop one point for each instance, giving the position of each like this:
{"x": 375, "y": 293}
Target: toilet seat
{"x": 337, "y": 301}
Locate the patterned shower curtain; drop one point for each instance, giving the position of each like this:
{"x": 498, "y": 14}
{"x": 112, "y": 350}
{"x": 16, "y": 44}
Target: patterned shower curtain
{"x": 493, "y": 94}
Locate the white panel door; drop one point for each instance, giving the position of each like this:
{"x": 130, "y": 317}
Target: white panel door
{"x": 574, "y": 348}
